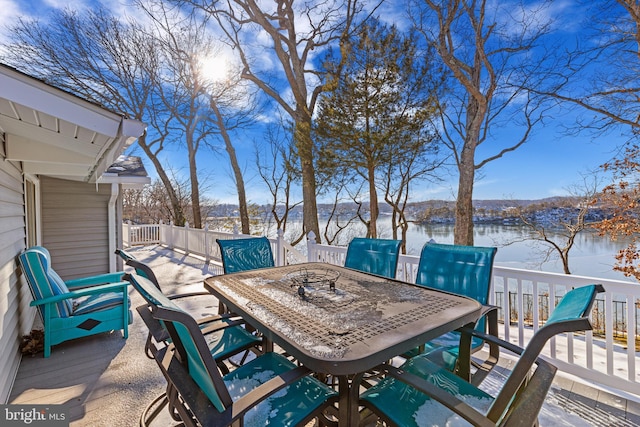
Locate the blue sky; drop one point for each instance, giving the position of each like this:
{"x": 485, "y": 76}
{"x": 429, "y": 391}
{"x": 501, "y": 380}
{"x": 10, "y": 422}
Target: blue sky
{"x": 545, "y": 166}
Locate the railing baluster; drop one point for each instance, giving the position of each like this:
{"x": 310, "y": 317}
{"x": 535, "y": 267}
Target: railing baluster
{"x": 631, "y": 337}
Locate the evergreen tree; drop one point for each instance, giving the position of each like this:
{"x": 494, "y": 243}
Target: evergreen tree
{"x": 379, "y": 112}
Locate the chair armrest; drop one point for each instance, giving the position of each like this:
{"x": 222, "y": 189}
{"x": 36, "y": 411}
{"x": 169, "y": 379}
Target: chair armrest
{"x": 492, "y": 339}
{"x": 190, "y": 294}
{"x": 220, "y": 326}
{"x": 445, "y": 398}
{"x": 100, "y": 289}
{"x": 100, "y": 279}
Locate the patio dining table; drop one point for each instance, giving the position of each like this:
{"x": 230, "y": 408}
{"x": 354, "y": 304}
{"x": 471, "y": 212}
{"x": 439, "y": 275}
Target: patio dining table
{"x": 338, "y": 321}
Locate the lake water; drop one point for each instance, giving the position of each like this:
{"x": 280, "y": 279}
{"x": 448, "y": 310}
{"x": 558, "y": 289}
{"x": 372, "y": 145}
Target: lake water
{"x": 591, "y": 254}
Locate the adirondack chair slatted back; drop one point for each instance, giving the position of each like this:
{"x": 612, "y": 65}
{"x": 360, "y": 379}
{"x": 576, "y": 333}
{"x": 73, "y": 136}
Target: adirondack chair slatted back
{"x": 43, "y": 280}
{"x": 75, "y": 308}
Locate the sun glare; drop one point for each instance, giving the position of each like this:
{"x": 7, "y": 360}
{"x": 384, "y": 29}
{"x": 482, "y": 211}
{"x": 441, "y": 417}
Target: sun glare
{"x": 215, "y": 68}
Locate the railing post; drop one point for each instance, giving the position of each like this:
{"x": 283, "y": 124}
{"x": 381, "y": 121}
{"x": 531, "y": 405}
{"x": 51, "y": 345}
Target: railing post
{"x": 207, "y": 256}
{"x": 186, "y": 237}
{"x": 311, "y": 247}
{"x": 128, "y": 233}
{"x": 280, "y": 255}
{"x": 171, "y": 226}
{"x": 162, "y": 233}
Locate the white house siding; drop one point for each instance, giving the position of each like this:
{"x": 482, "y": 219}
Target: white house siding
{"x": 75, "y": 226}
{"x": 16, "y": 317}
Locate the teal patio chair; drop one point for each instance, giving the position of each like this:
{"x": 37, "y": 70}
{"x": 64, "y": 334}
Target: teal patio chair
{"x": 245, "y": 254}
{"x": 420, "y": 390}
{"x": 375, "y": 256}
{"x": 75, "y": 308}
{"x": 267, "y": 391}
{"x": 463, "y": 270}
{"x": 146, "y": 271}
{"x": 225, "y": 333}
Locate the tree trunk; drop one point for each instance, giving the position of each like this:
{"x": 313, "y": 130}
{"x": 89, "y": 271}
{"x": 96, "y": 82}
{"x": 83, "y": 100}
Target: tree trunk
{"x": 373, "y": 204}
{"x": 305, "y": 152}
{"x": 195, "y": 192}
{"x": 237, "y": 172}
{"x": 463, "y": 229}
{"x": 193, "y": 179}
{"x": 178, "y": 215}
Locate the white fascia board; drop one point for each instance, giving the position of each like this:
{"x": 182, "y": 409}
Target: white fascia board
{"x": 38, "y": 95}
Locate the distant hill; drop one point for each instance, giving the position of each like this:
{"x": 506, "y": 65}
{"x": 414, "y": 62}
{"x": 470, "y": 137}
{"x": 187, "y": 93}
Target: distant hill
{"x": 414, "y": 208}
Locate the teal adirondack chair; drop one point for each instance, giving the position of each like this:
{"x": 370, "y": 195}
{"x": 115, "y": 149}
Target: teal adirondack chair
{"x": 267, "y": 391}
{"x": 375, "y": 256}
{"x": 420, "y": 390}
{"x": 75, "y": 308}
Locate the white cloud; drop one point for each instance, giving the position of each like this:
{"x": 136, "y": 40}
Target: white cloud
{"x": 9, "y": 12}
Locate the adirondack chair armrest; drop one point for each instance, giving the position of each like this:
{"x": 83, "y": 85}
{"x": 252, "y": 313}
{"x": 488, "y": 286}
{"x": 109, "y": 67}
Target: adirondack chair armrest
{"x": 100, "y": 279}
{"x": 258, "y": 394}
{"x": 99, "y": 289}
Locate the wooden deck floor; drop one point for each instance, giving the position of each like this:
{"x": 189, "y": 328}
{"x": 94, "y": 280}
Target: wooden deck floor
{"x": 107, "y": 381}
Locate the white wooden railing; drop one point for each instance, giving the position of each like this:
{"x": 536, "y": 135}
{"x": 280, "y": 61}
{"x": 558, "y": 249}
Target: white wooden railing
{"x": 608, "y": 355}
{"x": 201, "y": 242}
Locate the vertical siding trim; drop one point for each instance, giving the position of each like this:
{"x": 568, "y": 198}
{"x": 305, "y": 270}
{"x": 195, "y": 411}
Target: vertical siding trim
{"x": 17, "y": 317}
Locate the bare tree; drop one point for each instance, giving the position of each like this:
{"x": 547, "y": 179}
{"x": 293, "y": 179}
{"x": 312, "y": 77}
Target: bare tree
{"x": 605, "y": 78}
{"x": 203, "y": 107}
{"x": 296, "y": 31}
{"x": 606, "y": 82}
{"x": 184, "y": 88}
{"x": 151, "y": 204}
{"x": 574, "y": 220}
{"x": 107, "y": 61}
{"x": 278, "y": 169}
{"x": 494, "y": 56}
{"x": 415, "y": 164}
